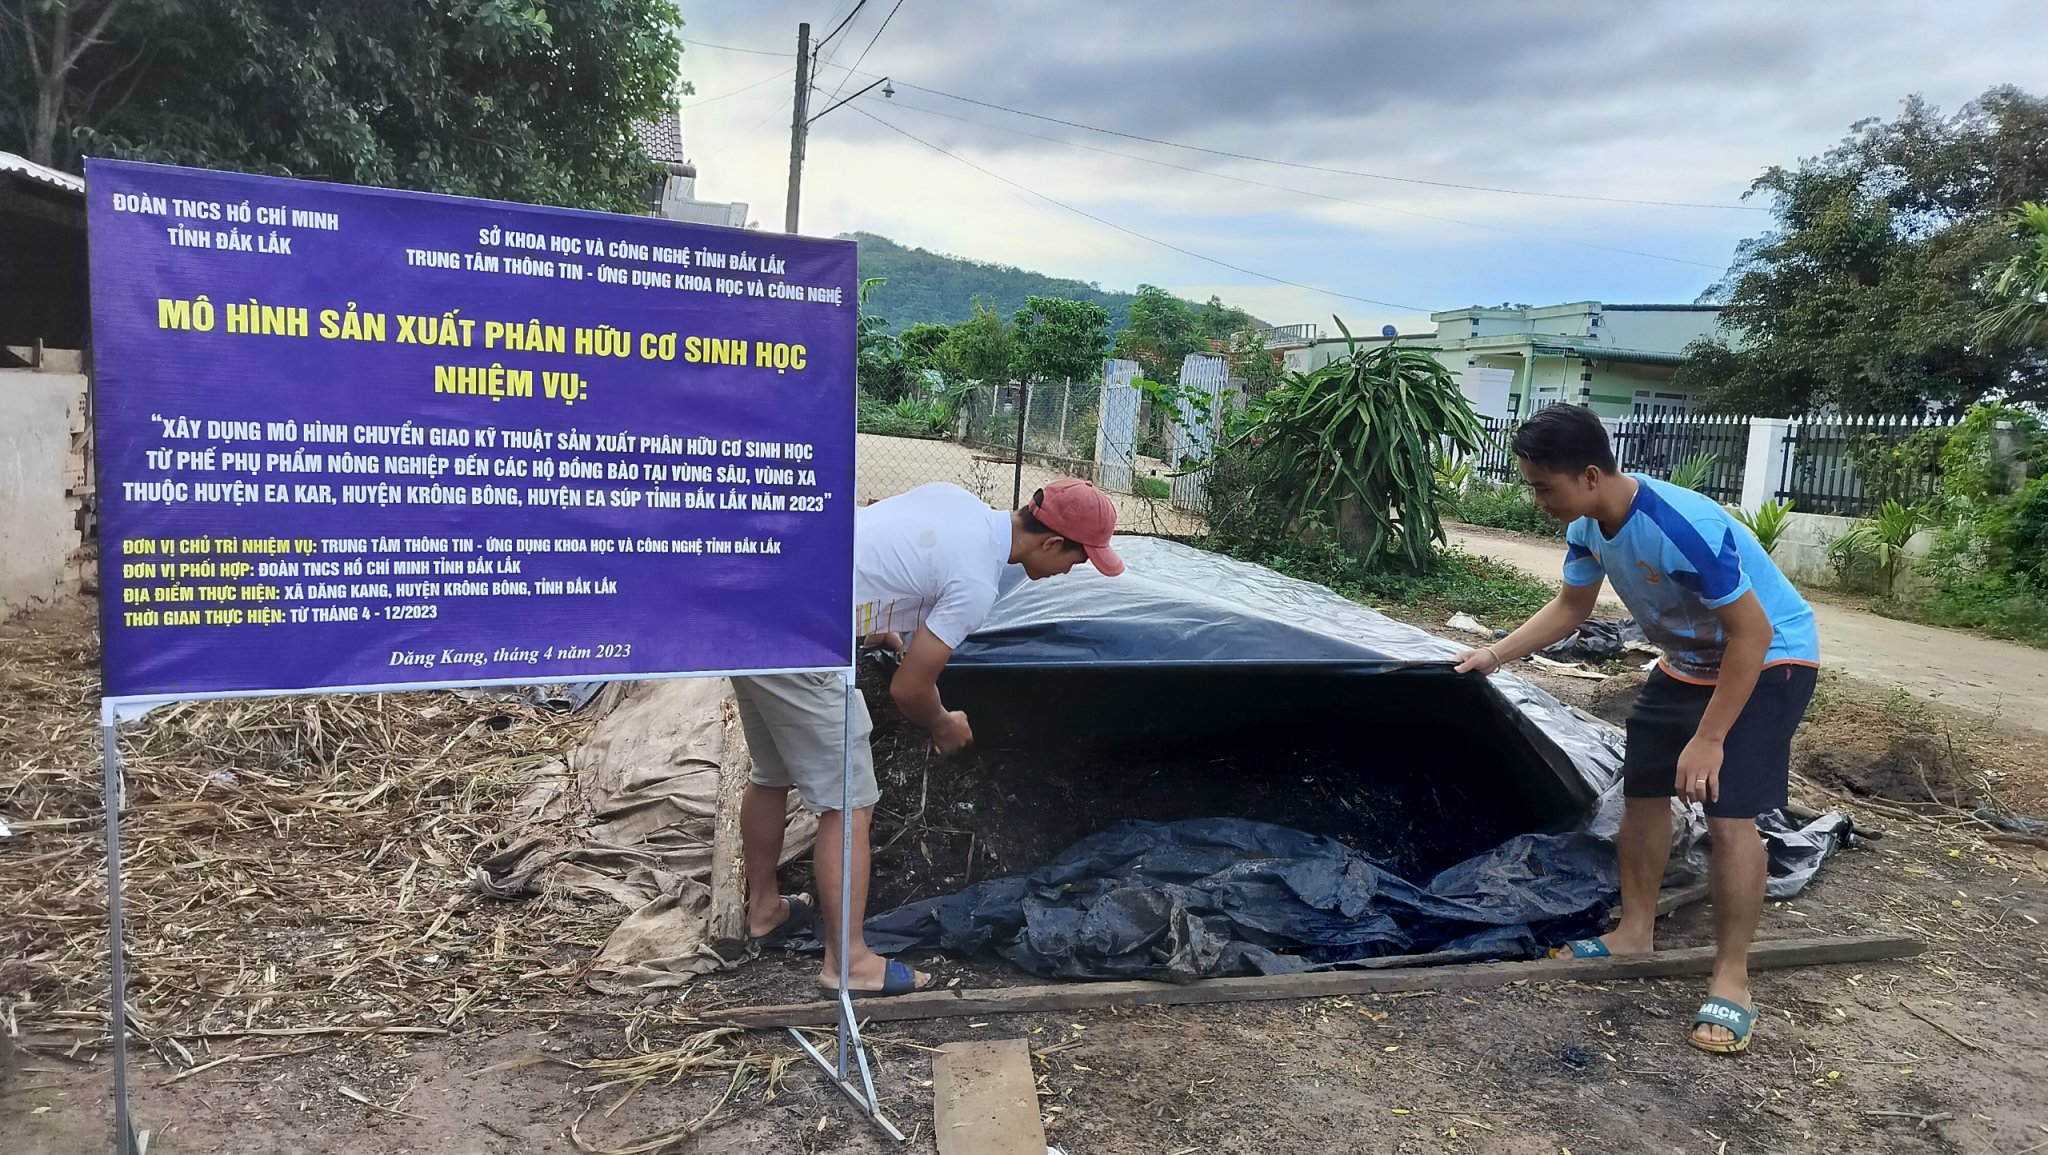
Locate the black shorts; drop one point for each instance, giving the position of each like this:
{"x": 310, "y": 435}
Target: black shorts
{"x": 1756, "y": 759}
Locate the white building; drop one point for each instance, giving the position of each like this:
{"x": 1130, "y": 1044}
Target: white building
{"x": 1616, "y": 359}
{"x": 674, "y": 196}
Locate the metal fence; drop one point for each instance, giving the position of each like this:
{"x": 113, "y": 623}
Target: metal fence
{"x": 1852, "y": 465}
{"x": 1714, "y": 448}
{"x": 970, "y": 437}
{"x": 1494, "y": 459}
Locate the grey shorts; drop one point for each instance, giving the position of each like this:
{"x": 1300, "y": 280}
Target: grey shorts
{"x": 796, "y": 732}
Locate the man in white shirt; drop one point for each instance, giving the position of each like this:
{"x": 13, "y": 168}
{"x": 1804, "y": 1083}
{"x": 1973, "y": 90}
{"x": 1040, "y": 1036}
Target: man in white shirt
{"x": 927, "y": 564}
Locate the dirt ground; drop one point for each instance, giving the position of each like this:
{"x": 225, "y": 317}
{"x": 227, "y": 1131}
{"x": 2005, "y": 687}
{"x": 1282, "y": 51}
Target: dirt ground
{"x": 506, "y": 1051}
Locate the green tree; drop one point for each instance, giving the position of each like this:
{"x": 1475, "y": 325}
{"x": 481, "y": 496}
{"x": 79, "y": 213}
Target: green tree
{"x": 1252, "y": 363}
{"x": 2018, "y": 318}
{"x": 879, "y": 367}
{"x": 979, "y": 348}
{"x": 1220, "y": 322}
{"x": 1059, "y": 340}
{"x": 1867, "y": 293}
{"x": 43, "y": 51}
{"x": 1160, "y": 332}
{"x": 515, "y": 99}
{"x": 921, "y": 343}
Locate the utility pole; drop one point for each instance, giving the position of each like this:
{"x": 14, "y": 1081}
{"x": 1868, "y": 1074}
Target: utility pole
{"x": 799, "y": 126}
{"x": 800, "y": 123}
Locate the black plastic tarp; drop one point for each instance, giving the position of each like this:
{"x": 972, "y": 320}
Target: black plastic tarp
{"x": 1178, "y": 605}
{"x": 1227, "y": 895}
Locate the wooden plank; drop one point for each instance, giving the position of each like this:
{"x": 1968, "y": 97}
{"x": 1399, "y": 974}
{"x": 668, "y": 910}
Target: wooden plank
{"x": 985, "y": 1099}
{"x": 1323, "y": 984}
{"x": 727, "y": 930}
{"x": 1680, "y": 896}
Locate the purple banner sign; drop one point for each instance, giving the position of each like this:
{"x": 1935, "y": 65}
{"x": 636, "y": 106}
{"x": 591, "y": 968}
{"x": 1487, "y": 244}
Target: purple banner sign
{"x": 355, "y": 438}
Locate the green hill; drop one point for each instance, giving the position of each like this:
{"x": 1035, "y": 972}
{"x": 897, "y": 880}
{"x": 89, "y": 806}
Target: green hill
{"x": 927, "y": 286}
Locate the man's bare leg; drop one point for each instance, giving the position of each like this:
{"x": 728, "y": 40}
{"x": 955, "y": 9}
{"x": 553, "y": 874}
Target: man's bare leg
{"x": 1644, "y": 851}
{"x": 764, "y": 813}
{"x": 865, "y": 969}
{"x": 1738, "y": 871}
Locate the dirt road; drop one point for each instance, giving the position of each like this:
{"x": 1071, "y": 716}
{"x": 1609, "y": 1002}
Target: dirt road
{"x": 1959, "y": 669}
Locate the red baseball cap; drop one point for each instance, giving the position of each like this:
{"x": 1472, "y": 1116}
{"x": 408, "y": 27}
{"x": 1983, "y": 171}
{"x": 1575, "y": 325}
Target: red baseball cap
{"x": 1083, "y": 514}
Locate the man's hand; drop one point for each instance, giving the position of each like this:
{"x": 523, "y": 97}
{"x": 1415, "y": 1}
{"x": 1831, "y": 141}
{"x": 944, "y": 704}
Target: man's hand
{"x": 890, "y": 642}
{"x": 1482, "y": 660}
{"x": 954, "y": 734}
{"x": 1699, "y": 771}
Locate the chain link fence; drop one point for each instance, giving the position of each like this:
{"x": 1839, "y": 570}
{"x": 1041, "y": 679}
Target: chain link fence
{"x": 970, "y": 436}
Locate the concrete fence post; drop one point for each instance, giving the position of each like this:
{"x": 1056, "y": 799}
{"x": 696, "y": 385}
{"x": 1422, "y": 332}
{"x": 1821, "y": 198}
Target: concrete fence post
{"x": 1764, "y": 465}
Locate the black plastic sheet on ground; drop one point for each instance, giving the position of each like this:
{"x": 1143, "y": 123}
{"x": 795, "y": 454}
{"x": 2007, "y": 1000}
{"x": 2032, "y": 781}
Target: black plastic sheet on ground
{"x": 1211, "y": 897}
{"x": 1599, "y": 640}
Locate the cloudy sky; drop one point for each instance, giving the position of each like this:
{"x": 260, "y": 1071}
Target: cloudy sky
{"x": 1635, "y": 101}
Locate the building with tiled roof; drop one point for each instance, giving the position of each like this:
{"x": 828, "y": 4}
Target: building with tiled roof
{"x": 674, "y": 195}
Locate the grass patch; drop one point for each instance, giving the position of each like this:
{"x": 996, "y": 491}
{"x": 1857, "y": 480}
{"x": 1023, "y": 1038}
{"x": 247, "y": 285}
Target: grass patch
{"x": 1152, "y": 488}
{"x": 1999, "y": 608}
{"x": 909, "y": 417}
{"x": 1496, "y": 593}
{"x": 1508, "y": 507}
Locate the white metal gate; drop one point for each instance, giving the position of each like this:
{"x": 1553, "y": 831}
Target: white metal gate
{"x": 1205, "y": 384}
{"x": 1116, "y": 428}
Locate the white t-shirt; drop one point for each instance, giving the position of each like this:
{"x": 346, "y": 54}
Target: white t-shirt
{"x": 934, "y": 556}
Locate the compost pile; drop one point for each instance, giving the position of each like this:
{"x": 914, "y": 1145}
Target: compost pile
{"x": 1203, "y": 768}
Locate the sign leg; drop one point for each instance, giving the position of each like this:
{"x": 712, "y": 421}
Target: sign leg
{"x": 863, "y": 1096}
{"x": 125, "y": 1142}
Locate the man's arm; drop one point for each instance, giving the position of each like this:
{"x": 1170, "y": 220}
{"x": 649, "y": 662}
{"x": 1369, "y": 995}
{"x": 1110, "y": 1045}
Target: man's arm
{"x": 1747, "y": 631}
{"x": 916, "y": 691}
{"x": 1553, "y": 623}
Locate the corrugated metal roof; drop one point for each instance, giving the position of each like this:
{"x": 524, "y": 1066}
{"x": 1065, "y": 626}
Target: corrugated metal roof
{"x": 41, "y": 174}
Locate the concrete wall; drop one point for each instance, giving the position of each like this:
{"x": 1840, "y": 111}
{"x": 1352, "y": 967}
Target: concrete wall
{"x": 1613, "y": 384}
{"x": 42, "y": 417}
{"x": 1660, "y": 330}
{"x": 1802, "y": 552}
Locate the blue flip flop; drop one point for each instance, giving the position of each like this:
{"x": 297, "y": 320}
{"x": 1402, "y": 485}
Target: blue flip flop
{"x": 1719, "y": 1012}
{"x": 802, "y": 917}
{"x": 897, "y": 979}
{"x": 1582, "y": 948}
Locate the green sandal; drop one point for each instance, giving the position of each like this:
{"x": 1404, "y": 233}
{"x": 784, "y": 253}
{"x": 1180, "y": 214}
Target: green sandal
{"x": 1719, "y": 1012}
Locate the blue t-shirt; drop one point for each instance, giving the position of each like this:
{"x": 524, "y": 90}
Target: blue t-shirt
{"x": 1677, "y": 559}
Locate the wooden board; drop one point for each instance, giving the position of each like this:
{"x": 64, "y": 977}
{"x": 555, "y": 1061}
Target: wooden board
{"x": 727, "y": 931}
{"x": 1322, "y": 984}
{"x": 1683, "y": 896}
{"x": 985, "y": 1099}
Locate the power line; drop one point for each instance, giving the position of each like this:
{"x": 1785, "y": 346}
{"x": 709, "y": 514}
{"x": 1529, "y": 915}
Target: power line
{"x": 786, "y": 101}
{"x": 1306, "y": 192}
{"x": 737, "y": 91}
{"x": 842, "y": 24}
{"x": 1133, "y": 232}
{"x": 1299, "y": 164}
{"x": 864, "y": 52}
{"x": 1330, "y": 169}
{"x": 735, "y": 48}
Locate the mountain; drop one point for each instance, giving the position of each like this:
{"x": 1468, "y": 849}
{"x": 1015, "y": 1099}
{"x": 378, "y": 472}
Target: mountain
{"x": 927, "y": 286}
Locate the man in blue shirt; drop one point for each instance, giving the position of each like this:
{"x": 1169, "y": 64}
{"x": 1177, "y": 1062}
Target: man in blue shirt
{"x": 1714, "y": 723}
